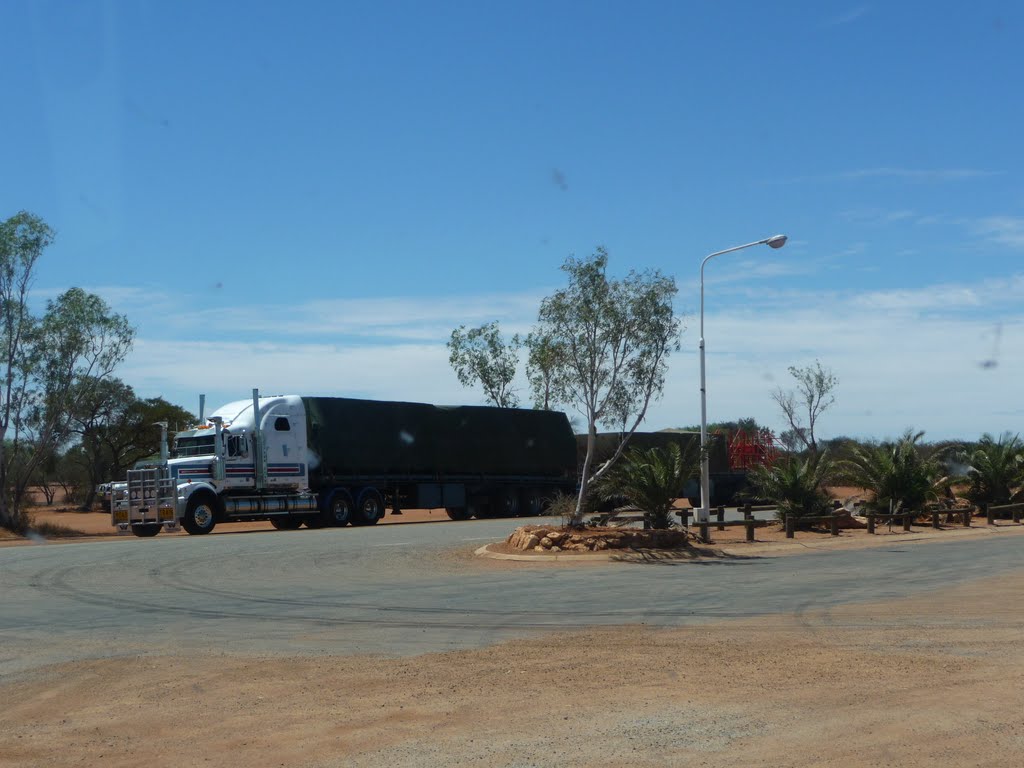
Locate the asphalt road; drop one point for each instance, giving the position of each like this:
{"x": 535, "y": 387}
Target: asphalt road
{"x": 404, "y": 590}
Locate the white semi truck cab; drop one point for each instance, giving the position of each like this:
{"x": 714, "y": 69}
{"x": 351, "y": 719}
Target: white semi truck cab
{"x": 248, "y": 461}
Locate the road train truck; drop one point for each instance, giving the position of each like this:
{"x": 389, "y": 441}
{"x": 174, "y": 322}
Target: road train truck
{"x": 334, "y": 461}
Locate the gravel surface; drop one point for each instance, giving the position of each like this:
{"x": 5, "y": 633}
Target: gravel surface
{"x": 394, "y": 647}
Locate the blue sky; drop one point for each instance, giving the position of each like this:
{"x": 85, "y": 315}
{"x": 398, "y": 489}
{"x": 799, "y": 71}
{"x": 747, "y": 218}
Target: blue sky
{"x": 309, "y": 198}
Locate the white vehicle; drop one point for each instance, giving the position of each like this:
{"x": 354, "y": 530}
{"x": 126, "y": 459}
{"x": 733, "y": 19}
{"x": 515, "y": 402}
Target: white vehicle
{"x": 332, "y": 461}
{"x": 224, "y": 468}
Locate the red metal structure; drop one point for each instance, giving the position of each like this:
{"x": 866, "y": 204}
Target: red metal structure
{"x": 752, "y": 449}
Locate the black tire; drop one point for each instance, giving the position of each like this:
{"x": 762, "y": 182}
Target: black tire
{"x": 288, "y": 523}
{"x": 505, "y": 503}
{"x": 340, "y": 506}
{"x": 533, "y": 503}
{"x": 369, "y": 509}
{"x": 146, "y": 530}
{"x": 478, "y": 509}
{"x": 458, "y": 513}
{"x": 200, "y": 514}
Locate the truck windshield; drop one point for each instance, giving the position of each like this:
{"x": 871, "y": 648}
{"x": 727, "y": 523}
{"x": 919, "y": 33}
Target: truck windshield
{"x": 193, "y": 446}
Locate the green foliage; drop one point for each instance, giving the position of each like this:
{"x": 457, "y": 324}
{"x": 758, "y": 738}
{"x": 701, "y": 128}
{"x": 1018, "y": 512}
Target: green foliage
{"x": 481, "y": 356}
{"x": 117, "y": 429}
{"x": 842, "y": 447}
{"x": 44, "y": 360}
{"x": 747, "y": 424}
{"x": 67, "y": 470}
{"x": 605, "y": 344}
{"x": 546, "y": 376}
{"x": 996, "y": 470}
{"x": 796, "y": 485}
{"x": 802, "y": 408}
{"x": 652, "y": 479}
{"x": 902, "y": 475}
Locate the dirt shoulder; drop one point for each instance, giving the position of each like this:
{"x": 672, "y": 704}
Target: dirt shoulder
{"x": 93, "y": 525}
{"x": 934, "y": 681}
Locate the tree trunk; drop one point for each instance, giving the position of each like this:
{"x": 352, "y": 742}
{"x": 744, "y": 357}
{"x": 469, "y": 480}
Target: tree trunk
{"x": 577, "y": 517}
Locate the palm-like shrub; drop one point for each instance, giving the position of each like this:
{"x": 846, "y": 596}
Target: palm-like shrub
{"x": 796, "y": 486}
{"x": 652, "y": 479}
{"x": 996, "y": 470}
{"x": 902, "y": 475}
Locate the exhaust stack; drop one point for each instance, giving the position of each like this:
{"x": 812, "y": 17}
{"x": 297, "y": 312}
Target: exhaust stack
{"x": 259, "y": 450}
{"x": 164, "y": 453}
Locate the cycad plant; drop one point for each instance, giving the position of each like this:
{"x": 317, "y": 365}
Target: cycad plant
{"x": 995, "y": 472}
{"x": 652, "y": 479}
{"x": 796, "y": 486}
{"x": 902, "y": 475}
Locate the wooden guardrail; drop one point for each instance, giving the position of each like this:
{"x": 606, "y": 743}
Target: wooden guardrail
{"x": 908, "y": 518}
{"x": 791, "y": 521}
{"x": 1015, "y": 511}
{"x": 720, "y": 523}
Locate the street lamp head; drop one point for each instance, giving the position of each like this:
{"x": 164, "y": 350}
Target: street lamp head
{"x": 777, "y": 241}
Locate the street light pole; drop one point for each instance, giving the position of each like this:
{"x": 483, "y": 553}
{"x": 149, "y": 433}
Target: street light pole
{"x": 703, "y": 514}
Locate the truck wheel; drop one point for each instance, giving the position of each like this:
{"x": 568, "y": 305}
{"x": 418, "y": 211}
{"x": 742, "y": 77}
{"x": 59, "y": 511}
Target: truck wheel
{"x": 458, "y": 513}
{"x": 145, "y": 530}
{"x": 532, "y": 504}
{"x": 289, "y": 523}
{"x": 339, "y": 511}
{"x": 370, "y": 508}
{"x": 200, "y": 514}
{"x": 506, "y": 503}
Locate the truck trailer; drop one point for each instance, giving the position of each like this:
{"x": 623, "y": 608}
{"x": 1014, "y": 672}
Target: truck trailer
{"x": 333, "y": 461}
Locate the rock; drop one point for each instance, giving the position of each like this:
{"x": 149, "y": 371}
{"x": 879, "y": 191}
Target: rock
{"x": 556, "y": 548}
{"x": 556, "y": 536}
{"x": 600, "y": 544}
{"x": 530, "y": 543}
{"x": 546, "y": 543}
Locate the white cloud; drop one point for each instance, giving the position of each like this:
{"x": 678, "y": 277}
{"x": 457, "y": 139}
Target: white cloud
{"x": 904, "y": 358}
{"x": 875, "y": 216}
{"x": 849, "y": 16}
{"x": 390, "y": 317}
{"x": 1005, "y": 230}
{"x": 917, "y": 174}
{"x": 180, "y": 370}
{"x": 896, "y": 369}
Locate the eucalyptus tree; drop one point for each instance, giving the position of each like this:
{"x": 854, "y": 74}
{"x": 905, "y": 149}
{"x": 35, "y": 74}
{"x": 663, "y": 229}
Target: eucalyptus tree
{"x": 543, "y": 371}
{"x": 814, "y": 394}
{"x": 43, "y": 360}
{"x": 116, "y": 429}
{"x": 480, "y": 356}
{"x": 606, "y": 343}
